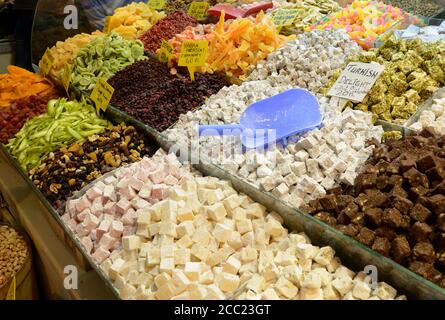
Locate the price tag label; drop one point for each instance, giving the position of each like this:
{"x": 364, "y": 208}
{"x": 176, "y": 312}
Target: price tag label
{"x": 107, "y": 24}
{"x": 66, "y": 77}
{"x": 157, "y": 4}
{"x": 165, "y": 52}
{"x": 102, "y": 94}
{"x": 198, "y": 10}
{"x": 46, "y": 62}
{"x": 193, "y": 54}
{"x": 356, "y": 80}
{"x": 10, "y": 295}
{"x": 284, "y": 17}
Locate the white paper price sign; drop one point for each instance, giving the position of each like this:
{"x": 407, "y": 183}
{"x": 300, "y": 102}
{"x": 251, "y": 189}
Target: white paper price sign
{"x": 356, "y": 80}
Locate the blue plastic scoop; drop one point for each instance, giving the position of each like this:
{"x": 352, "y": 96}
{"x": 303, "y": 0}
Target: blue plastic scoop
{"x": 273, "y": 119}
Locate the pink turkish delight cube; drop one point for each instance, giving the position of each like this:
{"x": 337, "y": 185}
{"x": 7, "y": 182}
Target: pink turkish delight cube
{"x": 87, "y": 243}
{"x": 100, "y": 255}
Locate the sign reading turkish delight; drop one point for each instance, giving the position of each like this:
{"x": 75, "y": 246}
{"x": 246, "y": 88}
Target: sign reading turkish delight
{"x": 356, "y": 80}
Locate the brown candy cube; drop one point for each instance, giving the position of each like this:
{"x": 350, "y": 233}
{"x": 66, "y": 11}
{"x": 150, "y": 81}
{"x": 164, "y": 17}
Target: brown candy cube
{"x": 440, "y": 222}
{"x": 386, "y": 232}
{"x": 328, "y": 202}
{"x": 424, "y": 251}
{"x": 381, "y": 245}
{"x": 366, "y": 236}
{"x": 416, "y": 178}
{"x": 402, "y": 204}
{"x": 426, "y": 162}
{"x": 326, "y": 218}
{"x": 437, "y": 203}
{"x": 400, "y": 249}
{"x": 420, "y": 213}
{"x": 420, "y": 231}
{"x": 349, "y": 230}
{"x": 392, "y": 218}
{"x": 422, "y": 268}
{"x": 373, "y": 216}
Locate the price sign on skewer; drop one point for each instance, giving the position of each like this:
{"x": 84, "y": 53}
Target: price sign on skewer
{"x": 198, "y": 10}
{"x": 193, "y": 54}
{"x": 46, "y": 62}
{"x": 165, "y": 52}
{"x": 102, "y": 94}
{"x": 284, "y": 17}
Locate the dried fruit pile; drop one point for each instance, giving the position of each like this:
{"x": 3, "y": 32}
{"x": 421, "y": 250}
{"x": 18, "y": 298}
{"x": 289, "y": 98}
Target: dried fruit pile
{"x": 64, "y": 122}
{"x": 165, "y": 29}
{"x": 20, "y": 83}
{"x": 397, "y": 205}
{"x": 103, "y": 57}
{"x": 236, "y": 45}
{"x": 148, "y": 92}
{"x": 14, "y": 117}
{"x": 132, "y": 20}
{"x": 72, "y": 167}
{"x": 64, "y": 53}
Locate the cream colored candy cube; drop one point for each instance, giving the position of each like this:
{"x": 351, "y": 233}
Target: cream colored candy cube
{"x": 232, "y": 265}
{"x": 216, "y": 212}
{"x": 167, "y": 228}
{"x": 311, "y": 294}
{"x": 329, "y": 293}
{"x": 228, "y": 282}
{"x": 131, "y": 242}
{"x": 244, "y": 226}
{"x": 270, "y": 294}
{"x": 181, "y": 256}
{"x": 162, "y": 279}
{"x": 185, "y": 228}
{"x": 361, "y": 290}
{"x": 192, "y": 270}
{"x": 221, "y": 232}
{"x": 343, "y": 285}
{"x": 286, "y": 288}
{"x": 185, "y": 214}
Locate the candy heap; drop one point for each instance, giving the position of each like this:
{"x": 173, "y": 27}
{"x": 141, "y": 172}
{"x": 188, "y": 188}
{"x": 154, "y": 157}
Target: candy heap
{"x": 309, "y": 13}
{"x": 364, "y": 20}
{"x": 397, "y": 204}
{"x": 206, "y": 241}
{"x": 413, "y": 71}
{"x": 148, "y": 92}
{"x": 236, "y": 44}
{"x": 307, "y": 62}
{"x": 111, "y": 206}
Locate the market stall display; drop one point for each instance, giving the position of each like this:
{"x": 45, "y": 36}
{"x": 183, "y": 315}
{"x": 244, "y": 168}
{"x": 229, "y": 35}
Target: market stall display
{"x": 64, "y": 122}
{"x": 364, "y": 20}
{"x": 72, "y": 167}
{"x": 133, "y": 20}
{"x": 396, "y": 205}
{"x": 413, "y": 71}
{"x": 148, "y": 92}
{"x": 102, "y": 58}
{"x": 154, "y": 228}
